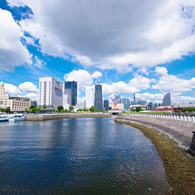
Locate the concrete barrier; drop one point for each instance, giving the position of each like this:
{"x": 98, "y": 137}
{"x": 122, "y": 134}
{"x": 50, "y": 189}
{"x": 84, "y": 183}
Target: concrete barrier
{"x": 43, "y": 117}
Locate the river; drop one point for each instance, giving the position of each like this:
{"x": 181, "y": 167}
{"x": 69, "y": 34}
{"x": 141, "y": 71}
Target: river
{"x": 78, "y": 156}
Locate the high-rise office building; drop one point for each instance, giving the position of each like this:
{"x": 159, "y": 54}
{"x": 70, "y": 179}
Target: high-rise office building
{"x": 89, "y": 97}
{"x": 106, "y": 104}
{"x": 71, "y": 92}
{"x": 142, "y": 102}
{"x": 151, "y": 105}
{"x": 126, "y": 103}
{"x": 117, "y": 98}
{"x": 50, "y": 92}
{"x": 166, "y": 100}
{"x": 98, "y": 97}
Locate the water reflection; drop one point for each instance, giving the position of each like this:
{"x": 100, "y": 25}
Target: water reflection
{"x": 78, "y": 156}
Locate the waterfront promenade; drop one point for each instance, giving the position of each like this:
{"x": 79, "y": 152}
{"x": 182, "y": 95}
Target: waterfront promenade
{"x": 167, "y": 134}
{"x": 178, "y": 130}
{"x": 43, "y": 117}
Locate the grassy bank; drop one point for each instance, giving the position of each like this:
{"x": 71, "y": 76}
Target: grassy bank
{"x": 179, "y": 165}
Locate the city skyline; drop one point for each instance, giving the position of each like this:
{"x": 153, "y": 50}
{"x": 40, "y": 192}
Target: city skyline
{"x": 149, "y": 54}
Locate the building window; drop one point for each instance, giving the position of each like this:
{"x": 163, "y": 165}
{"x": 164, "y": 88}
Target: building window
{"x": 40, "y": 94}
{"x": 45, "y": 89}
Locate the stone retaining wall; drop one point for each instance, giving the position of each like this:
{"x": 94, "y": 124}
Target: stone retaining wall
{"x": 42, "y": 117}
{"x": 179, "y": 131}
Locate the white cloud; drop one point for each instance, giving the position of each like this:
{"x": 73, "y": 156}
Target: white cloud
{"x": 82, "y": 77}
{"x": 96, "y": 75}
{"x": 134, "y": 85}
{"x": 150, "y": 97}
{"x": 33, "y": 96}
{"x": 113, "y": 34}
{"x": 12, "y": 89}
{"x": 39, "y": 63}
{"x": 28, "y": 87}
{"x": 12, "y": 52}
{"x": 161, "y": 70}
{"x": 171, "y": 83}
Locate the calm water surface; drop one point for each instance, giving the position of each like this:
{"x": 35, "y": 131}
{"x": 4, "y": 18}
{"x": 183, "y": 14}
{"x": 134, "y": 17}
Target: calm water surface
{"x": 78, "y": 156}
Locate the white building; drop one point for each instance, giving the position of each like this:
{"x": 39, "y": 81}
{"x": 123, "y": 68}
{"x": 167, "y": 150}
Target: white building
{"x": 89, "y": 97}
{"x": 65, "y": 102}
{"x": 50, "y": 92}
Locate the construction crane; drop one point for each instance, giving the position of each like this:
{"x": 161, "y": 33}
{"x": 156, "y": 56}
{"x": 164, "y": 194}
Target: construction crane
{"x": 115, "y": 101}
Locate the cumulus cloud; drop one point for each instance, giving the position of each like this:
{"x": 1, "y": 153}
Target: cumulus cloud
{"x": 82, "y": 77}
{"x": 134, "y": 85}
{"x": 161, "y": 70}
{"x": 12, "y": 89}
{"x": 171, "y": 83}
{"x": 33, "y": 96}
{"x": 113, "y": 34}
{"x": 28, "y": 87}
{"x": 151, "y": 97}
{"x": 96, "y": 75}
{"x": 12, "y": 51}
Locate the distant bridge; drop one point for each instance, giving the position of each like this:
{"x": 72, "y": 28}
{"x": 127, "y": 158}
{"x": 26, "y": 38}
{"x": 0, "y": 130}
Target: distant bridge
{"x": 114, "y": 112}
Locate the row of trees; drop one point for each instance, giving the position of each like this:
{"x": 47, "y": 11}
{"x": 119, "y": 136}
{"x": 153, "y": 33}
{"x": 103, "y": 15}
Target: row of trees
{"x": 138, "y": 109}
{"x": 7, "y": 110}
{"x": 61, "y": 109}
{"x": 188, "y": 109}
{"x": 92, "y": 109}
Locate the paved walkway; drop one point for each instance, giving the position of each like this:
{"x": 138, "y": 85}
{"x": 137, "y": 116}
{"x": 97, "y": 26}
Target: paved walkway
{"x": 179, "y": 131}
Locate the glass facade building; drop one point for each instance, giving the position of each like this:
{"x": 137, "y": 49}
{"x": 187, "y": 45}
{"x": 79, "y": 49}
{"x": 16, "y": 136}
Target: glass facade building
{"x": 71, "y": 92}
{"x": 98, "y": 97}
{"x": 126, "y": 103}
{"x": 106, "y": 104}
{"x": 167, "y": 100}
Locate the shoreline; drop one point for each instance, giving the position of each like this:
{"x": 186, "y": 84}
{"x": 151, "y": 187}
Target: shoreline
{"x": 43, "y": 117}
{"x": 178, "y": 164}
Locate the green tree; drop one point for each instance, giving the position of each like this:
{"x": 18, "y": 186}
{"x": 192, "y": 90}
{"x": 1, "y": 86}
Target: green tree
{"x": 34, "y": 110}
{"x": 25, "y": 110}
{"x": 2, "y": 109}
{"x": 97, "y": 110}
{"x": 138, "y": 109}
{"x": 132, "y": 110}
{"x": 30, "y": 110}
{"x": 31, "y": 107}
{"x": 92, "y": 109}
{"x": 60, "y": 108}
{"x": 44, "y": 107}
{"x": 38, "y": 109}
{"x": 7, "y": 110}
{"x": 104, "y": 110}
{"x": 71, "y": 108}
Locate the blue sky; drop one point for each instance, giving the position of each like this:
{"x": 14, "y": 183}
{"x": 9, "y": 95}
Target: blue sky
{"x": 126, "y": 46}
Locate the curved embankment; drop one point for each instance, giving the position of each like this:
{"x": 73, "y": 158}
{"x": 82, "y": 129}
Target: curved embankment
{"x": 179, "y": 165}
{"x": 43, "y": 117}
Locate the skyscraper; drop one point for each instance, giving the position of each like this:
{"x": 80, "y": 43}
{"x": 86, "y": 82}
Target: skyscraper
{"x": 126, "y": 103}
{"x": 166, "y": 100}
{"x": 71, "y": 92}
{"x": 89, "y": 97}
{"x": 98, "y": 97}
{"x": 106, "y": 104}
{"x": 50, "y": 92}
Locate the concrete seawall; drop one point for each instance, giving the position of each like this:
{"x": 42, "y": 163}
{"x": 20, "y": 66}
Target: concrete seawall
{"x": 43, "y": 117}
{"x": 179, "y": 131}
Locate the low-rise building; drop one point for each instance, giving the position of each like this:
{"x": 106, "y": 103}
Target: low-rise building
{"x": 15, "y": 103}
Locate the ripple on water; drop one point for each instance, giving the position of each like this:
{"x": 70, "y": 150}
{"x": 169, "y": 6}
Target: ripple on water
{"x": 78, "y": 156}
